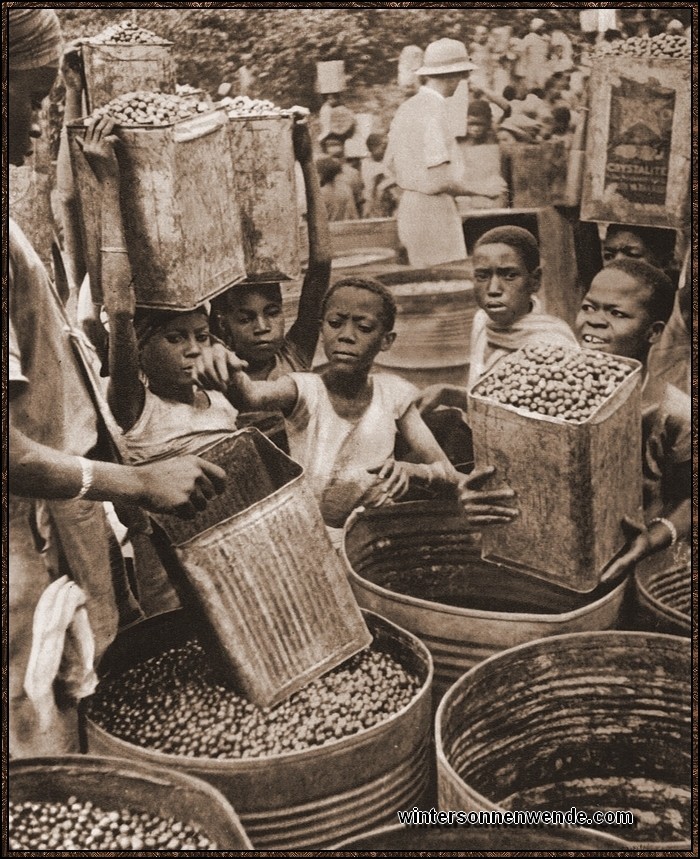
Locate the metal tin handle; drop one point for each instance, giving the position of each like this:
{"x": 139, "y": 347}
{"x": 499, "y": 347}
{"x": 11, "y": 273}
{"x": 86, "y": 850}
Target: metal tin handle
{"x": 198, "y": 126}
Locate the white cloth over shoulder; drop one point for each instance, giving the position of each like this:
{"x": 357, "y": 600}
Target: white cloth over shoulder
{"x": 489, "y": 344}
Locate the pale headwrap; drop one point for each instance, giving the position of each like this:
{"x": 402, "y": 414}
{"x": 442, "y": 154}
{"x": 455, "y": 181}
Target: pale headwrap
{"x": 34, "y": 39}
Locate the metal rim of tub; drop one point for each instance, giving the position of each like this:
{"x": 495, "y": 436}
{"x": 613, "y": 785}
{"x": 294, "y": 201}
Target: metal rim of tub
{"x": 306, "y": 754}
{"x": 553, "y": 838}
{"x": 448, "y": 330}
{"x": 280, "y": 828}
{"x": 464, "y": 617}
{"x": 658, "y": 585}
{"x": 52, "y": 770}
{"x": 445, "y": 608}
{"x": 456, "y": 783}
{"x": 450, "y": 609}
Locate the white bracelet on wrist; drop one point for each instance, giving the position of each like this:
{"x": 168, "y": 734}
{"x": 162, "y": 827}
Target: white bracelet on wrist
{"x": 670, "y": 526}
{"x": 88, "y": 475}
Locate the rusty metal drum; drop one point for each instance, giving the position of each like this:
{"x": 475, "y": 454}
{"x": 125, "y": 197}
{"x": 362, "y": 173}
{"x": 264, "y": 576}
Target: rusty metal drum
{"x": 597, "y": 721}
{"x": 419, "y": 564}
{"x": 310, "y": 798}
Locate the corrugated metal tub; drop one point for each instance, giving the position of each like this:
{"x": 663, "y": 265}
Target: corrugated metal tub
{"x": 481, "y": 839}
{"x": 435, "y": 311}
{"x": 309, "y": 798}
{"x": 115, "y": 783}
{"x": 663, "y": 592}
{"x": 597, "y": 721}
{"x": 419, "y": 565}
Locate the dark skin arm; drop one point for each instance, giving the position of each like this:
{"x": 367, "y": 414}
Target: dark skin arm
{"x": 433, "y": 396}
{"x": 645, "y": 540}
{"x": 125, "y": 393}
{"x": 71, "y": 70}
{"x": 305, "y": 331}
{"x": 180, "y": 485}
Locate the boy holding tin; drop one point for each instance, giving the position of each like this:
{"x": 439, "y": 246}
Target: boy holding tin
{"x": 624, "y": 313}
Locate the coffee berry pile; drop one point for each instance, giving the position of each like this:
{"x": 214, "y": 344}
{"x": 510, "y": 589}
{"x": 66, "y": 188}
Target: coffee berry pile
{"x": 126, "y": 33}
{"x": 566, "y": 383}
{"x": 146, "y": 108}
{"x": 665, "y": 45}
{"x": 172, "y": 703}
{"x": 76, "y": 825}
{"x": 241, "y": 105}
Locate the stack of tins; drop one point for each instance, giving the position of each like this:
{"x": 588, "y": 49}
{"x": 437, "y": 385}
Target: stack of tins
{"x": 663, "y": 592}
{"x": 258, "y": 570}
{"x": 435, "y": 311}
{"x": 575, "y": 474}
{"x": 419, "y": 564}
{"x": 594, "y": 720}
{"x": 125, "y": 58}
{"x": 314, "y": 797}
{"x": 262, "y": 156}
{"x": 638, "y": 153}
{"x": 114, "y": 784}
{"x": 179, "y": 207}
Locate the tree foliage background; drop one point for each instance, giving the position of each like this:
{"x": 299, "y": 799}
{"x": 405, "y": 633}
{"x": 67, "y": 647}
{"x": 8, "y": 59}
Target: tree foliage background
{"x": 282, "y": 46}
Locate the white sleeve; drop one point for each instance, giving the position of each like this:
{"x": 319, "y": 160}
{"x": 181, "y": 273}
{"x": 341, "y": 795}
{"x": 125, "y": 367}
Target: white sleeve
{"x": 435, "y": 151}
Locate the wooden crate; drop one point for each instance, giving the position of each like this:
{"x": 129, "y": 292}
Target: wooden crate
{"x": 573, "y": 482}
{"x": 180, "y": 211}
{"x": 258, "y": 567}
{"x": 112, "y": 70}
{"x": 638, "y": 156}
{"x": 537, "y": 173}
{"x": 262, "y": 156}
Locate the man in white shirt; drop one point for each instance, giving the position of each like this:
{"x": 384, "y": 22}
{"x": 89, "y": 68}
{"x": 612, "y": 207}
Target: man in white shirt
{"x": 423, "y": 155}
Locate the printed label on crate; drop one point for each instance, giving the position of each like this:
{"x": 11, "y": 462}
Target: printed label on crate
{"x": 639, "y": 143}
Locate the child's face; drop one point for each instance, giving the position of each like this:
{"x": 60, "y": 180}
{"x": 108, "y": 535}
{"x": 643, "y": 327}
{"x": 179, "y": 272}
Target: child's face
{"x": 502, "y": 284}
{"x": 546, "y": 126}
{"x": 613, "y": 317}
{"x": 477, "y": 129}
{"x": 378, "y": 150}
{"x": 626, "y": 245}
{"x": 255, "y": 326}
{"x": 353, "y": 330}
{"x": 168, "y": 356}
{"x": 335, "y": 149}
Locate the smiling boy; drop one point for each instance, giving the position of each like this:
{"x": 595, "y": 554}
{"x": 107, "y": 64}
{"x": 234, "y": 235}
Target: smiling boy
{"x": 624, "y": 313}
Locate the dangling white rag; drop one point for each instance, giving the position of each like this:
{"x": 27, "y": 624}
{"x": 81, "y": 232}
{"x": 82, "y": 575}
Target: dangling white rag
{"x": 63, "y": 648}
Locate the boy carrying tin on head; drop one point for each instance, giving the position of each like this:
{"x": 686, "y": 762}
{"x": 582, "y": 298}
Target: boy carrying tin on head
{"x": 249, "y": 318}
